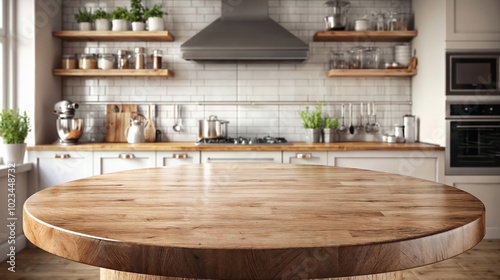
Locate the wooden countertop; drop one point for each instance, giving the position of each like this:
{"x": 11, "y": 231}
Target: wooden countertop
{"x": 254, "y": 221}
{"x": 190, "y": 146}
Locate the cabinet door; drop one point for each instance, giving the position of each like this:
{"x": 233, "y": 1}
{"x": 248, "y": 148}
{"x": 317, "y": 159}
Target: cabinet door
{"x": 108, "y": 162}
{"x": 427, "y": 165}
{"x": 176, "y": 158}
{"x": 472, "y": 24}
{"x": 54, "y": 168}
{"x": 212, "y": 157}
{"x": 298, "y": 157}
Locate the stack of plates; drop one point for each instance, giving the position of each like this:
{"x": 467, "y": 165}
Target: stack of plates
{"x": 403, "y": 54}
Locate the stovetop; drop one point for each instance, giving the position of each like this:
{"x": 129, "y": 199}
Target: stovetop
{"x": 268, "y": 140}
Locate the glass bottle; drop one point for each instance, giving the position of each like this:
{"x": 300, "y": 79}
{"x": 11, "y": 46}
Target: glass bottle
{"x": 393, "y": 23}
{"x": 122, "y": 58}
{"x": 380, "y": 26}
{"x": 139, "y": 58}
{"x": 157, "y": 58}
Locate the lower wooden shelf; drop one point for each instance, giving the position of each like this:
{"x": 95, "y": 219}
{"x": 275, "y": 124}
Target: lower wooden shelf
{"x": 371, "y": 73}
{"x": 165, "y": 73}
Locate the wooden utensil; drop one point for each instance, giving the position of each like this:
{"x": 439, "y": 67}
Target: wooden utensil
{"x": 149, "y": 130}
{"x": 117, "y": 120}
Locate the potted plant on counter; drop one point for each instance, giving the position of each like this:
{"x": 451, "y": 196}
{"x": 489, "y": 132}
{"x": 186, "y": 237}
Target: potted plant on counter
{"x": 313, "y": 123}
{"x": 137, "y": 15}
{"x": 101, "y": 19}
{"x": 154, "y": 18}
{"x": 13, "y": 129}
{"x": 330, "y": 128}
{"x": 120, "y": 17}
{"x": 84, "y": 19}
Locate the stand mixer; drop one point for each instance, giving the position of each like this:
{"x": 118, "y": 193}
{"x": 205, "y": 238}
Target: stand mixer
{"x": 69, "y": 129}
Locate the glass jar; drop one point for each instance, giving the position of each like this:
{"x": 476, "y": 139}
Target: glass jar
{"x": 402, "y": 22}
{"x": 68, "y": 61}
{"x": 371, "y": 58}
{"x": 122, "y": 58}
{"x": 139, "y": 58}
{"x": 338, "y": 60}
{"x": 87, "y": 61}
{"x": 355, "y": 58}
{"x": 380, "y": 26}
{"x": 156, "y": 57}
{"x": 106, "y": 61}
{"x": 393, "y": 22}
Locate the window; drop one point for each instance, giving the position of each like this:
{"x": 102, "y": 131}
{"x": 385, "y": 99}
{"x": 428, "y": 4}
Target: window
{"x": 3, "y": 54}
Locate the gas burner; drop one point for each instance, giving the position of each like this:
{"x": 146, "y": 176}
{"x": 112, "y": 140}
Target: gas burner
{"x": 268, "y": 140}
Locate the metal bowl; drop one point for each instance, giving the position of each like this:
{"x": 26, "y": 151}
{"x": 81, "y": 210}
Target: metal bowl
{"x": 69, "y": 130}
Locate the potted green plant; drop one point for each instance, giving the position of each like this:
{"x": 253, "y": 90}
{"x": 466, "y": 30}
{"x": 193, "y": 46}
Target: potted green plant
{"x": 13, "y": 129}
{"x": 101, "y": 19}
{"x": 120, "y": 17}
{"x": 137, "y": 15}
{"x": 313, "y": 123}
{"x": 154, "y": 18}
{"x": 84, "y": 19}
{"x": 330, "y": 128}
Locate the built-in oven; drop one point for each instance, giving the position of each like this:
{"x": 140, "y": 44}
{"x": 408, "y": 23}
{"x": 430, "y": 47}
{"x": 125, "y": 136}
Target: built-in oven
{"x": 473, "y": 136}
{"x": 472, "y": 73}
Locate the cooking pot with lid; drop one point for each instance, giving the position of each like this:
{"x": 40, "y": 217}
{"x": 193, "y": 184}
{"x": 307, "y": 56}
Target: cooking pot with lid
{"x": 212, "y": 128}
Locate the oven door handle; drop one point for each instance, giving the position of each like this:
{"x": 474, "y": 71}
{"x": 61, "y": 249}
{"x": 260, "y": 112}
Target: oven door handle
{"x": 477, "y": 126}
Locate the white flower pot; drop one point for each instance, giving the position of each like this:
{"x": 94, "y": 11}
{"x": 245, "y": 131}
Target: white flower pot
{"x": 313, "y": 135}
{"x": 13, "y": 153}
{"x": 120, "y": 25}
{"x": 102, "y": 24}
{"x": 138, "y": 26}
{"x": 156, "y": 24}
{"x": 85, "y": 26}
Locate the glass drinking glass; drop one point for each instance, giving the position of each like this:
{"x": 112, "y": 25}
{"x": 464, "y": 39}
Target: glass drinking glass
{"x": 338, "y": 60}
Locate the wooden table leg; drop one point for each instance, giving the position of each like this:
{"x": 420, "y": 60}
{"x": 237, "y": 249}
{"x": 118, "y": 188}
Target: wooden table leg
{"x": 108, "y": 274}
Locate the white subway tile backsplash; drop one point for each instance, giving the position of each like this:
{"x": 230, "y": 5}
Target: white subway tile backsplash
{"x": 231, "y": 82}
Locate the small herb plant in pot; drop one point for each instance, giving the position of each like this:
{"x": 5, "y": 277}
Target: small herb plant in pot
{"x": 312, "y": 121}
{"x": 84, "y": 19}
{"x": 330, "y": 128}
{"x": 13, "y": 129}
{"x": 154, "y": 18}
{"x": 137, "y": 15}
{"x": 102, "y": 18}
{"x": 120, "y": 17}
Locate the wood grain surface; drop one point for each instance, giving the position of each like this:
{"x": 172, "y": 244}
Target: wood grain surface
{"x": 114, "y": 36}
{"x": 118, "y": 122}
{"x": 365, "y": 36}
{"x": 254, "y": 221}
{"x": 164, "y": 73}
{"x": 371, "y": 73}
{"x": 190, "y": 146}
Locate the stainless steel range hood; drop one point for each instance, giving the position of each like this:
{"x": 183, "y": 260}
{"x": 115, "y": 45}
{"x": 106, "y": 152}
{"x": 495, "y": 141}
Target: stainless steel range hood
{"x": 245, "y": 32}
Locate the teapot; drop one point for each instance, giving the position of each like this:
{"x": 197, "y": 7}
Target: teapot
{"x": 135, "y": 132}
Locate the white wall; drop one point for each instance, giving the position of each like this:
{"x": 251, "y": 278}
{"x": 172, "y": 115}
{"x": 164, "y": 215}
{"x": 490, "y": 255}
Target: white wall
{"x": 428, "y": 87}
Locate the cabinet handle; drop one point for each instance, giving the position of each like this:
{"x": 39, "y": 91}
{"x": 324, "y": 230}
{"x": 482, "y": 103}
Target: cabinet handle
{"x": 126, "y": 156}
{"x": 63, "y": 156}
{"x": 304, "y": 156}
{"x": 180, "y": 156}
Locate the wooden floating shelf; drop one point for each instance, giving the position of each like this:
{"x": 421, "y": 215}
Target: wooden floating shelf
{"x": 115, "y": 36}
{"x": 164, "y": 73}
{"x": 371, "y": 73}
{"x": 365, "y": 36}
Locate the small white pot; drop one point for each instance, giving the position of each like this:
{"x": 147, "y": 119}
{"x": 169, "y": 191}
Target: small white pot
{"x": 85, "y": 26}
{"x": 13, "y": 153}
{"x": 102, "y": 24}
{"x": 120, "y": 25}
{"x": 138, "y": 26}
{"x": 156, "y": 24}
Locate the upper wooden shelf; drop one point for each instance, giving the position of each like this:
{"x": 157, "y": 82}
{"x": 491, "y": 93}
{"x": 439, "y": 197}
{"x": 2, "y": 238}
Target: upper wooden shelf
{"x": 165, "y": 73}
{"x": 371, "y": 73}
{"x": 365, "y": 36}
{"x": 115, "y": 36}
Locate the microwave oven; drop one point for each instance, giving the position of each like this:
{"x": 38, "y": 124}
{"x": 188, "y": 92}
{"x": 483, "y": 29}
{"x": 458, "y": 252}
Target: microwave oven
{"x": 472, "y": 73}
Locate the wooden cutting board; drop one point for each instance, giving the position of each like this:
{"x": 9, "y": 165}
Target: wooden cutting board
{"x": 117, "y": 121}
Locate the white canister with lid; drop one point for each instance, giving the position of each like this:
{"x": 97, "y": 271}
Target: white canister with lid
{"x": 409, "y": 129}
{"x": 361, "y": 24}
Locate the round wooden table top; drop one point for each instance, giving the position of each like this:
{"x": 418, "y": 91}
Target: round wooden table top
{"x": 254, "y": 221}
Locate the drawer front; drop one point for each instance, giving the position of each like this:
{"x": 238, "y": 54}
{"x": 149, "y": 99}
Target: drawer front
{"x": 109, "y": 162}
{"x": 214, "y": 157}
{"x": 307, "y": 157}
{"x": 176, "y": 158}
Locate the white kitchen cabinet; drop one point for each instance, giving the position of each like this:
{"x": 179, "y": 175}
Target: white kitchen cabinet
{"x": 53, "y": 168}
{"x": 472, "y": 24}
{"x": 486, "y": 189}
{"x": 251, "y": 156}
{"x": 176, "y": 158}
{"x": 305, "y": 157}
{"x": 427, "y": 165}
{"x": 108, "y": 162}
